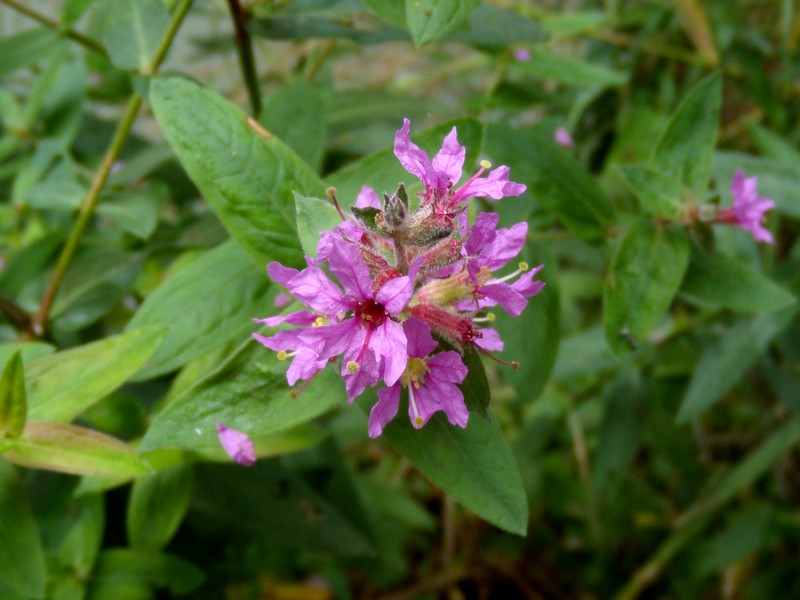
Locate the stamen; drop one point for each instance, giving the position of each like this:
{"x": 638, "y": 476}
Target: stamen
{"x": 331, "y": 193}
{"x": 417, "y": 418}
{"x": 352, "y": 367}
{"x": 486, "y": 164}
{"x": 513, "y": 364}
{"x": 523, "y": 266}
{"x": 283, "y": 355}
{"x": 321, "y": 321}
{"x": 302, "y": 388}
{"x": 489, "y": 317}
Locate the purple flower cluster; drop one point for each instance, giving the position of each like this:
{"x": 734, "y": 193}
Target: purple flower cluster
{"x": 400, "y": 290}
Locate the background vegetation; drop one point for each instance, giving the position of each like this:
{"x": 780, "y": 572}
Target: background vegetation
{"x": 645, "y": 448}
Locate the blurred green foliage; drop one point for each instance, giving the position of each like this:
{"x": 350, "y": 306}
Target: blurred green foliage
{"x": 646, "y": 447}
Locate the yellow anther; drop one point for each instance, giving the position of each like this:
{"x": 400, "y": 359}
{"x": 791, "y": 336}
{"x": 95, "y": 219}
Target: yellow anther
{"x": 418, "y": 422}
{"x": 486, "y": 164}
{"x": 321, "y": 321}
{"x": 352, "y": 366}
{"x": 523, "y": 266}
{"x": 331, "y": 191}
{"x": 490, "y": 317}
{"x": 282, "y": 355}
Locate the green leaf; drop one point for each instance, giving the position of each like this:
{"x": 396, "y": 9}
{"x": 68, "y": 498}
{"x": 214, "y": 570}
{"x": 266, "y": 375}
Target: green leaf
{"x": 248, "y": 179}
{"x": 97, "y": 279}
{"x": 81, "y": 544}
{"x": 22, "y": 564}
{"x": 773, "y": 146}
{"x": 250, "y": 395}
{"x": 13, "y": 403}
{"x": 26, "y": 48}
{"x": 686, "y": 148}
{"x": 63, "y": 385}
{"x": 474, "y": 465}
{"x": 296, "y": 114}
{"x": 133, "y": 30}
{"x": 313, "y": 216}
{"x": 645, "y": 274}
{"x": 71, "y": 449}
{"x": 555, "y": 179}
{"x": 393, "y": 11}
{"x": 724, "y": 361}
{"x": 382, "y": 171}
{"x": 275, "y": 501}
{"x": 29, "y": 351}
{"x": 572, "y": 71}
{"x": 121, "y": 572}
{"x": 475, "y": 386}
{"x": 429, "y": 20}
{"x": 626, "y": 403}
{"x": 203, "y": 306}
{"x": 721, "y": 281}
{"x": 533, "y": 338}
{"x": 571, "y": 24}
{"x": 495, "y": 27}
{"x": 135, "y": 213}
{"x": 157, "y": 505}
{"x": 659, "y": 194}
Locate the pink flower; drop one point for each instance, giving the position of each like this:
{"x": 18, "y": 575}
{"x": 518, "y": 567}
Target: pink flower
{"x": 237, "y": 444}
{"x": 355, "y": 322}
{"x": 522, "y": 55}
{"x": 748, "y": 208}
{"x": 430, "y": 380}
{"x": 441, "y": 174}
{"x": 563, "y": 138}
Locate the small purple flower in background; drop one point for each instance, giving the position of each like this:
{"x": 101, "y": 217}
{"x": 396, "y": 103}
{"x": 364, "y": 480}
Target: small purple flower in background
{"x": 563, "y": 138}
{"x": 237, "y": 444}
{"x": 522, "y": 54}
{"x": 748, "y": 208}
{"x": 393, "y": 276}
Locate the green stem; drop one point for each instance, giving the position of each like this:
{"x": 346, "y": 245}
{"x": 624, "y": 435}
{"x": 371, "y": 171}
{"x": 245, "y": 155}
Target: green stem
{"x": 15, "y": 313}
{"x": 84, "y": 41}
{"x": 244, "y": 49}
{"x": 101, "y": 175}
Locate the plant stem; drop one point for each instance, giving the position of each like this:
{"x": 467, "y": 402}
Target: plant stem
{"x": 244, "y": 49}
{"x": 15, "y": 313}
{"x": 84, "y": 41}
{"x": 101, "y": 175}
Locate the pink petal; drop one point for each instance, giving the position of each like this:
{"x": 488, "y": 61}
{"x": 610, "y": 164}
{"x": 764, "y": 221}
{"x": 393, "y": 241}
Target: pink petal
{"x": 449, "y": 161}
{"x": 237, "y": 444}
{"x": 384, "y": 410}
{"x": 367, "y": 198}
{"x": 413, "y": 159}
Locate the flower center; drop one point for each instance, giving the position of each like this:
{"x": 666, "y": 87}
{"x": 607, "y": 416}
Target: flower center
{"x": 414, "y": 373}
{"x": 371, "y": 313}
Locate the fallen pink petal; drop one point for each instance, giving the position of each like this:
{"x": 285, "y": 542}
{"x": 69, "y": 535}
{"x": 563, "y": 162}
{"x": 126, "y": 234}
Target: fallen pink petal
{"x": 237, "y": 444}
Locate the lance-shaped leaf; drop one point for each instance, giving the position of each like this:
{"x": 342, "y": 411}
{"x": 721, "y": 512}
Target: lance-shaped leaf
{"x": 250, "y": 394}
{"x": 645, "y": 274}
{"x": 203, "y": 305}
{"x": 72, "y": 449}
{"x": 723, "y": 362}
{"x": 428, "y": 20}
{"x": 247, "y": 175}
{"x": 659, "y": 194}
{"x": 132, "y": 31}
{"x": 61, "y": 386}
{"x": 13, "y": 403}
{"x": 313, "y": 216}
{"x": 474, "y": 465}
{"x": 22, "y": 564}
{"x": 720, "y": 281}
{"x": 685, "y": 150}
